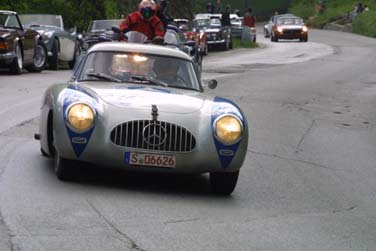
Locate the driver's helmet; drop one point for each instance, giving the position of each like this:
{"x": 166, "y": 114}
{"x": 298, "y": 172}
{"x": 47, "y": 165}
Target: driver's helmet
{"x": 148, "y": 9}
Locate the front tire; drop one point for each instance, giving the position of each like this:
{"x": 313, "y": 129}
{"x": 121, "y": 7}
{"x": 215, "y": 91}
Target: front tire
{"x": 39, "y": 58}
{"x": 17, "y": 63}
{"x": 54, "y": 59}
{"x": 224, "y": 183}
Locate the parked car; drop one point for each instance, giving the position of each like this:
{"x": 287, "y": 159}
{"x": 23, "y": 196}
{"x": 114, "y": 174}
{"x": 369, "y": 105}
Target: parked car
{"x": 192, "y": 32}
{"x": 142, "y": 108}
{"x": 100, "y": 31}
{"x": 175, "y": 38}
{"x": 20, "y": 47}
{"x": 61, "y": 44}
{"x": 289, "y": 27}
{"x": 218, "y": 36}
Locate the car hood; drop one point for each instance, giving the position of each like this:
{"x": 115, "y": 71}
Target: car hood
{"x": 142, "y": 97}
{"x": 291, "y": 26}
{"x": 43, "y": 29}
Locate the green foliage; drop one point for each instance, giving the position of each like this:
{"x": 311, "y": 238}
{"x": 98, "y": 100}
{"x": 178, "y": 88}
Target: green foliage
{"x": 364, "y": 24}
{"x": 304, "y": 9}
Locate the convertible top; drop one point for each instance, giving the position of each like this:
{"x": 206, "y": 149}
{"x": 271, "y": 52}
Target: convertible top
{"x": 139, "y": 48}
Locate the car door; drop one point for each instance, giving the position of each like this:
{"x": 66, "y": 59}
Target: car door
{"x": 27, "y": 37}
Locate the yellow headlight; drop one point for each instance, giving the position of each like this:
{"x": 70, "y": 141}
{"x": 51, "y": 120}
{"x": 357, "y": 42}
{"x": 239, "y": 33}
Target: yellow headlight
{"x": 80, "y": 117}
{"x": 228, "y": 129}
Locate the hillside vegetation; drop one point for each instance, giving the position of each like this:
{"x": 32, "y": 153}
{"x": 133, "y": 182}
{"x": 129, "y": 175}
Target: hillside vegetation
{"x": 79, "y": 13}
{"x": 335, "y": 10}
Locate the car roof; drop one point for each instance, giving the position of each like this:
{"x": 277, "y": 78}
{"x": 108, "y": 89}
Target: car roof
{"x": 139, "y": 48}
{"x": 8, "y": 12}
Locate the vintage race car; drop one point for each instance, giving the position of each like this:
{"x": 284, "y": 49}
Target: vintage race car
{"x": 142, "y": 108}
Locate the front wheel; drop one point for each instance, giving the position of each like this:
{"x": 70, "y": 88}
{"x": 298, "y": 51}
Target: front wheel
{"x": 17, "y": 63}
{"x": 224, "y": 183}
{"x": 39, "y": 58}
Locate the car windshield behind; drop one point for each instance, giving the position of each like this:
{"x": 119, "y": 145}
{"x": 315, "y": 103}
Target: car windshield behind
{"x": 215, "y": 22}
{"x": 202, "y": 23}
{"x": 139, "y": 68}
{"x": 289, "y": 21}
{"x": 47, "y": 20}
{"x": 103, "y": 25}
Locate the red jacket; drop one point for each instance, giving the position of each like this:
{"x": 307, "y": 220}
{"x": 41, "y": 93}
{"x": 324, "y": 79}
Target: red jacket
{"x": 135, "y": 22}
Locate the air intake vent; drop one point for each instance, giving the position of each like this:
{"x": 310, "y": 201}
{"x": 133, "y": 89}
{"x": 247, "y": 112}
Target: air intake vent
{"x": 153, "y": 135}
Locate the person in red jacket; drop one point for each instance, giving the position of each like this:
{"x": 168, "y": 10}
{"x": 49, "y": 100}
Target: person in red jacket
{"x": 145, "y": 21}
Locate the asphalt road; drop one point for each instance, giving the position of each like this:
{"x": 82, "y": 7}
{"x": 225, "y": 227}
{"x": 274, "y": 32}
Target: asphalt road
{"x": 308, "y": 182}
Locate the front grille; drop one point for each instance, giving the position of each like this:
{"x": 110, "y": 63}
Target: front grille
{"x": 292, "y": 32}
{"x": 153, "y": 135}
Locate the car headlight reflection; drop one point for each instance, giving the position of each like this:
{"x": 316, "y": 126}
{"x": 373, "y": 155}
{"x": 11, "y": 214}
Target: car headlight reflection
{"x": 228, "y": 129}
{"x": 80, "y": 117}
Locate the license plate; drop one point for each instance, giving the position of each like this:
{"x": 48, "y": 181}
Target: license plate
{"x": 147, "y": 159}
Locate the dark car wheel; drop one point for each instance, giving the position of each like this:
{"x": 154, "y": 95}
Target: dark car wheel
{"x": 39, "y": 59}
{"x": 54, "y": 59}
{"x": 16, "y": 65}
{"x": 224, "y": 183}
{"x": 77, "y": 52}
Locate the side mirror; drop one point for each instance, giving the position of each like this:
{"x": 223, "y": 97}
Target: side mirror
{"x": 212, "y": 84}
{"x": 73, "y": 30}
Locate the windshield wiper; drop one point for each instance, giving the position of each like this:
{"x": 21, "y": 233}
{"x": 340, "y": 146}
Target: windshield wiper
{"x": 105, "y": 77}
{"x": 149, "y": 80}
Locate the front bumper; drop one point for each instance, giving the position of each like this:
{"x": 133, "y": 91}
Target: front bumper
{"x": 211, "y": 42}
{"x": 7, "y": 58}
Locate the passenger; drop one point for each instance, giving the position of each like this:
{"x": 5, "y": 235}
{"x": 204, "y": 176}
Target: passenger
{"x": 162, "y": 12}
{"x": 145, "y": 21}
{"x": 167, "y": 70}
{"x": 249, "y": 19}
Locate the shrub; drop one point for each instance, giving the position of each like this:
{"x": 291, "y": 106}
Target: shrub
{"x": 364, "y": 24}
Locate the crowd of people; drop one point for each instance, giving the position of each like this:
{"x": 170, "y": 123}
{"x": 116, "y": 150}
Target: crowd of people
{"x": 358, "y": 9}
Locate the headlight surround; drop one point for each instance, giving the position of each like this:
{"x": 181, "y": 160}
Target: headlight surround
{"x": 280, "y": 29}
{"x": 80, "y": 117}
{"x": 305, "y": 29}
{"x": 228, "y": 129}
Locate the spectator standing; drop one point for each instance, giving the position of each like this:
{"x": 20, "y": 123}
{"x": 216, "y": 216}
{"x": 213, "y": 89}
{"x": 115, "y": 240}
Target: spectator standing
{"x": 210, "y": 7}
{"x": 249, "y": 19}
{"x": 225, "y": 19}
{"x": 218, "y": 7}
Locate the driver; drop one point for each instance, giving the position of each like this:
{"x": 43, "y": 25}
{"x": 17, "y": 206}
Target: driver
{"x": 145, "y": 21}
{"x": 167, "y": 70}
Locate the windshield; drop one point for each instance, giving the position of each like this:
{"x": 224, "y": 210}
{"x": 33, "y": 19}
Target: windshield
{"x": 48, "y": 20}
{"x": 9, "y": 21}
{"x": 202, "y": 23}
{"x": 103, "y": 25}
{"x": 139, "y": 68}
{"x": 290, "y": 21}
{"x": 215, "y": 22}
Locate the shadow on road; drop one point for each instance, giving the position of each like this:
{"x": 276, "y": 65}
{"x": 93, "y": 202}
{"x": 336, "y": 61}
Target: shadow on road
{"x": 98, "y": 176}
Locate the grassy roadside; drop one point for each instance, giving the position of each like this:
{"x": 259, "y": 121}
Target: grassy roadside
{"x": 238, "y": 43}
{"x": 363, "y": 24}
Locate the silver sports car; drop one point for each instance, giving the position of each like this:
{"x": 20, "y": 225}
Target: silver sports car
{"x": 142, "y": 108}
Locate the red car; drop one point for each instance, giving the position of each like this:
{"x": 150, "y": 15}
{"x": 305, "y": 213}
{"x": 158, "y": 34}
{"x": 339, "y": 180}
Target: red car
{"x": 192, "y": 32}
{"x": 289, "y": 27}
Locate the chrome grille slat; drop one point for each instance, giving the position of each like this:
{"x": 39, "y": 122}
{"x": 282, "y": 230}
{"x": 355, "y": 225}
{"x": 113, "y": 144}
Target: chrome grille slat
{"x": 176, "y": 138}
